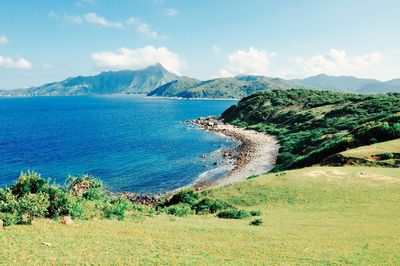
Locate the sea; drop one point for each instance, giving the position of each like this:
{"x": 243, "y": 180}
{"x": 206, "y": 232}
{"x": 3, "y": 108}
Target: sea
{"x": 132, "y": 143}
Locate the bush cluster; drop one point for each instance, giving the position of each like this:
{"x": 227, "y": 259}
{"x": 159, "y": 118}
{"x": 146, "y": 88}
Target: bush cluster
{"x": 312, "y": 125}
{"x": 83, "y": 197}
{"x": 233, "y": 214}
{"x": 188, "y": 201}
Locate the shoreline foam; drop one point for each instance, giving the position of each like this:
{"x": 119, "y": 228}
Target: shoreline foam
{"x": 256, "y": 153}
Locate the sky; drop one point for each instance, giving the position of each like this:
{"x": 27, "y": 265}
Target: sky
{"x": 50, "y": 40}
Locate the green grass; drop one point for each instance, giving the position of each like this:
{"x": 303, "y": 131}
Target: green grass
{"x": 317, "y": 216}
{"x": 392, "y": 146}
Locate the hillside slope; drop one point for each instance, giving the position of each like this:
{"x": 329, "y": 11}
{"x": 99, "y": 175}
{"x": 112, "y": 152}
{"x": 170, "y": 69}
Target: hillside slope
{"x": 237, "y": 87}
{"x": 111, "y": 82}
{"x": 312, "y": 125}
{"x": 317, "y": 215}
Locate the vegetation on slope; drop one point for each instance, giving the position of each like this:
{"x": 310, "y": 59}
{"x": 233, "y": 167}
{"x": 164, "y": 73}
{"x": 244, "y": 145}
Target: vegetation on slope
{"x": 318, "y": 215}
{"x": 384, "y": 154}
{"x": 312, "y": 125}
{"x": 237, "y": 87}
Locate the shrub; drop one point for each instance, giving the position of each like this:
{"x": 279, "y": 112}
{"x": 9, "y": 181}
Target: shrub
{"x": 29, "y": 183}
{"x": 233, "y": 214}
{"x": 86, "y": 186}
{"x": 31, "y": 206}
{"x": 207, "y": 205}
{"x": 255, "y": 213}
{"x": 387, "y": 156}
{"x": 180, "y": 210}
{"x": 116, "y": 207}
{"x": 256, "y": 222}
{"x": 8, "y": 201}
{"x": 184, "y": 196}
{"x": 8, "y": 218}
{"x": 77, "y": 208}
{"x": 59, "y": 202}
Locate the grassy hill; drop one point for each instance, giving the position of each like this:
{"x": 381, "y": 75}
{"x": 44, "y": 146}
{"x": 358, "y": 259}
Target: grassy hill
{"x": 312, "y": 216}
{"x": 237, "y": 87}
{"x": 313, "y": 125}
{"x": 384, "y": 154}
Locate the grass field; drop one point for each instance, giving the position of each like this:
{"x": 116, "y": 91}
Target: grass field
{"x": 392, "y": 146}
{"x": 317, "y": 215}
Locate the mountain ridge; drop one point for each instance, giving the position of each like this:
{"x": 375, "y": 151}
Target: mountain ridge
{"x": 155, "y": 80}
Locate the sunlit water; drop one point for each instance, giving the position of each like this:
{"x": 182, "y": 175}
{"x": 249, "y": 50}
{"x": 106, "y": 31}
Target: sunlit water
{"x": 132, "y": 143}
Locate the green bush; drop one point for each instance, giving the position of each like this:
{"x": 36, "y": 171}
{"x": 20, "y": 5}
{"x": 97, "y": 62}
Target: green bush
{"x": 59, "y": 202}
{"x": 29, "y": 183}
{"x": 8, "y": 218}
{"x": 256, "y": 222}
{"x": 31, "y": 206}
{"x": 207, "y": 205}
{"x": 77, "y": 208}
{"x": 116, "y": 207}
{"x": 387, "y": 156}
{"x": 233, "y": 214}
{"x": 187, "y": 196}
{"x": 180, "y": 210}
{"x": 86, "y": 186}
{"x": 255, "y": 213}
{"x": 8, "y": 202}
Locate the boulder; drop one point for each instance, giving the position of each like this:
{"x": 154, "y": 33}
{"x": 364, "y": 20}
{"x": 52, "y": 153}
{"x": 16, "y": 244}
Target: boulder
{"x": 67, "y": 220}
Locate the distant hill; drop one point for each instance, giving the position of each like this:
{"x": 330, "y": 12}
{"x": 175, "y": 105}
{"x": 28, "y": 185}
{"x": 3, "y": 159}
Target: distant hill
{"x": 381, "y": 87}
{"x": 338, "y": 83}
{"x": 237, "y": 87}
{"x": 349, "y": 84}
{"x": 110, "y": 82}
{"x": 155, "y": 80}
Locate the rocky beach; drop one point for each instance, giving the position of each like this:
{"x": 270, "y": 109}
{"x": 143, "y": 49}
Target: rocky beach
{"x": 256, "y": 153}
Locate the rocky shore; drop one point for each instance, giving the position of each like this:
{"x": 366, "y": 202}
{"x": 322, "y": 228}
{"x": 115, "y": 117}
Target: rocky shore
{"x": 255, "y": 154}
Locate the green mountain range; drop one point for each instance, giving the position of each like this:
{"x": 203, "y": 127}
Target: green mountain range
{"x": 110, "y": 82}
{"x": 349, "y": 84}
{"x": 155, "y": 80}
{"x": 237, "y": 87}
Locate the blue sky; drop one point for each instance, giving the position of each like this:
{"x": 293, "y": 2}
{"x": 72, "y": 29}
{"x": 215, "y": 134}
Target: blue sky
{"x": 44, "y": 41}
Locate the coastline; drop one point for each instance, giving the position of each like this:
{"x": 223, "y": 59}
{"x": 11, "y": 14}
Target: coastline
{"x": 256, "y": 153}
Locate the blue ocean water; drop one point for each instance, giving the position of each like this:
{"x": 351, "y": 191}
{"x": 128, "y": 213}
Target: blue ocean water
{"x": 132, "y": 143}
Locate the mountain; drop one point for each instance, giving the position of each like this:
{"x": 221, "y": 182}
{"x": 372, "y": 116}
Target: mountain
{"x": 237, "y": 87}
{"x": 338, "y": 83}
{"x": 126, "y": 81}
{"x": 175, "y": 88}
{"x": 381, "y": 87}
{"x": 349, "y": 84}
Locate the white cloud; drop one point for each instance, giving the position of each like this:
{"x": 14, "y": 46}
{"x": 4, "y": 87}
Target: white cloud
{"x": 82, "y": 3}
{"x": 172, "y": 12}
{"x": 3, "y": 39}
{"x": 337, "y": 62}
{"x": 73, "y": 19}
{"x": 140, "y": 58}
{"x": 216, "y": 49}
{"x": 142, "y": 28}
{"x": 18, "y": 63}
{"x": 251, "y": 62}
{"x": 93, "y": 18}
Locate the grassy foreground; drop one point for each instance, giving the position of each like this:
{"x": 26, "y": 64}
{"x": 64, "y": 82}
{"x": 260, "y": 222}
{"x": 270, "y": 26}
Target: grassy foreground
{"x": 316, "y": 215}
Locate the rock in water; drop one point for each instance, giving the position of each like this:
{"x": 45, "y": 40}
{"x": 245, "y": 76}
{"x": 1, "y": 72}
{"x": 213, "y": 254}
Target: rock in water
{"x": 67, "y": 220}
{"x": 1, "y": 225}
